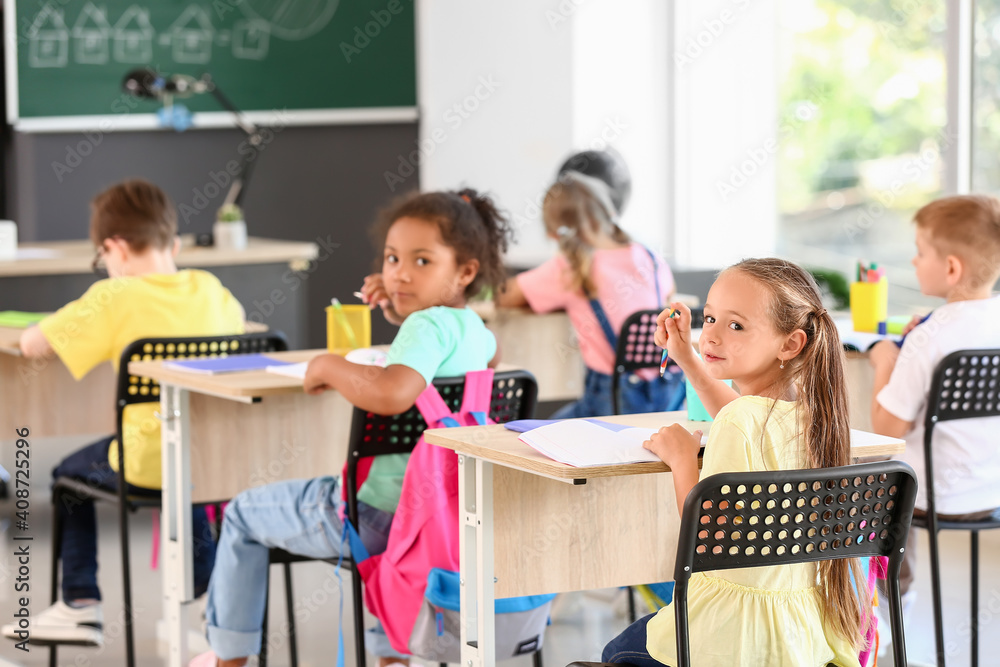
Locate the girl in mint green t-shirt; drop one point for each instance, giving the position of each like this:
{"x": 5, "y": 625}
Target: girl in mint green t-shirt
{"x": 440, "y": 248}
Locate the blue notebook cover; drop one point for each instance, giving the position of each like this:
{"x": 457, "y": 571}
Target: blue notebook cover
{"x": 231, "y": 364}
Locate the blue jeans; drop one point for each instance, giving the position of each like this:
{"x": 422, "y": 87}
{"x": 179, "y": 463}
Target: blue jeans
{"x": 630, "y": 646}
{"x": 79, "y": 524}
{"x": 301, "y": 517}
{"x": 634, "y": 395}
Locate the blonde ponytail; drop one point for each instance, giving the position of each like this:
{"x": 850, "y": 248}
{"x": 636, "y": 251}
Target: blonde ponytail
{"x": 817, "y": 375}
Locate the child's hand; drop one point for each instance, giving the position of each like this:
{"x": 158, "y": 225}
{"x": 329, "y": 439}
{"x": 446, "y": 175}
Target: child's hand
{"x": 314, "y": 382}
{"x": 675, "y": 446}
{"x": 883, "y": 354}
{"x": 912, "y": 324}
{"x": 674, "y": 333}
{"x": 373, "y": 293}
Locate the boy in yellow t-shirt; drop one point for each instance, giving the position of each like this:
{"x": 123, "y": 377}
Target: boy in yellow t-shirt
{"x": 134, "y": 227}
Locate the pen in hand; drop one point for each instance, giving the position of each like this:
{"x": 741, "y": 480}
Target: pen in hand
{"x": 663, "y": 357}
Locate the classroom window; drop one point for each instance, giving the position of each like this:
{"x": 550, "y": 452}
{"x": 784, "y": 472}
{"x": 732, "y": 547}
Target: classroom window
{"x": 986, "y": 97}
{"x": 862, "y": 116}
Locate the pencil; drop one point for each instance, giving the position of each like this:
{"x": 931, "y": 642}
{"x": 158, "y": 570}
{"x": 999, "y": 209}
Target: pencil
{"x": 663, "y": 357}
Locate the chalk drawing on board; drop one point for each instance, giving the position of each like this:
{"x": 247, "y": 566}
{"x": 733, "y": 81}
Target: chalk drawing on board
{"x": 133, "y": 41}
{"x": 251, "y": 39}
{"x": 91, "y": 35}
{"x": 48, "y": 39}
{"x": 191, "y": 36}
{"x": 292, "y": 19}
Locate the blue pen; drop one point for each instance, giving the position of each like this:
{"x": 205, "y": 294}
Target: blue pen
{"x": 663, "y": 358}
{"x": 899, "y": 342}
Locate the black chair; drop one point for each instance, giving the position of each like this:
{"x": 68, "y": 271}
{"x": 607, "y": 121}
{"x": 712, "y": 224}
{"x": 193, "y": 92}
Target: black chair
{"x": 514, "y": 396}
{"x": 131, "y": 390}
{"x": 636, "y": 350}
{"x": 830, "y": 513}
{"x": 966, "y": 385}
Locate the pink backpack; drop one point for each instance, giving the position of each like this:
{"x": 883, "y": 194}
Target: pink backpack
{"x": 424, "y": 533}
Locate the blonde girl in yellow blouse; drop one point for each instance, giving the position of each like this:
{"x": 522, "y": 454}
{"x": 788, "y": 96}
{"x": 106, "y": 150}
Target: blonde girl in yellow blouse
{"x": 766, "y": 329}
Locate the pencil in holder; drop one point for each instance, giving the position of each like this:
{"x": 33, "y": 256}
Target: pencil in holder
{"x": 869, "y": 305}
{"x": 348, "y": 327}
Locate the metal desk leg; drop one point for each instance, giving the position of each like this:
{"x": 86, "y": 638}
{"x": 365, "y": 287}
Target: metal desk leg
{"x": 176, "y": 533}
{"x": 475, "y": 497}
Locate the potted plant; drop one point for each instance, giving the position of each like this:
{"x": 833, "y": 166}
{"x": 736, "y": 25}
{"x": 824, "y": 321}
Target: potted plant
{"x": 230, "y": 229}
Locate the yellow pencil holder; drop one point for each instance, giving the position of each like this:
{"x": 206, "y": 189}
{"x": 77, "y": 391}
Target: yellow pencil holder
{"x": 869, "y": 305}
{"x": 348, "y": 327}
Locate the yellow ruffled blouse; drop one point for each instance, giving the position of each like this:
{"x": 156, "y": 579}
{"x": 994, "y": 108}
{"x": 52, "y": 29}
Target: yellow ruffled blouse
{"x": 761, "y": 616}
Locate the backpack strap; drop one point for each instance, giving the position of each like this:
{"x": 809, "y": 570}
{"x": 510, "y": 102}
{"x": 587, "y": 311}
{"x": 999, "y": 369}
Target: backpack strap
{"x": 477, "y": 394}
{"x": 656, "y": 277}
{"x": 433, "y": 408}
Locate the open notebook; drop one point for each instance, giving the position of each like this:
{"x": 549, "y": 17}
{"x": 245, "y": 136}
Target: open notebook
{"x": 584, "y": 443}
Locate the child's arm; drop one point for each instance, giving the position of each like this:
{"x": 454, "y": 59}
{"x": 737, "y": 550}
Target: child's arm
{"x": 384, "y": 391}
{"x": 679, "y": 450}
{"x": 674, "y": 334}
{"x": 882, "y": 357}
{"x": 34, "y": 344}
{"x": 511, "y": 296}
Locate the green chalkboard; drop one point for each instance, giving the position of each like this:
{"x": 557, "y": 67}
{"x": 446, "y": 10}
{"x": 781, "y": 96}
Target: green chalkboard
{"x": 263, "y": 54}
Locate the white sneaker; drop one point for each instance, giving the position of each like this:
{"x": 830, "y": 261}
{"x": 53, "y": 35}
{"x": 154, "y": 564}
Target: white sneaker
{"x": 908, "y": 601}
{"x": 62, "y": 624}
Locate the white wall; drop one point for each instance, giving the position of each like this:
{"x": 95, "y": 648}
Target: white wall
{"x": 513, "y": 142}
{"x": 576, "y": 74}
{"x": 726, "y": 96}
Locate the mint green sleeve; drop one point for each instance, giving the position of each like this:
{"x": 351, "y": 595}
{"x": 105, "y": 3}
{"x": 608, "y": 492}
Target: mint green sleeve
{"x": 423, "y": 343}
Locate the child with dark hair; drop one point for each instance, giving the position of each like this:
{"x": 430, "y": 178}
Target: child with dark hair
{"x": 439, "y": 249}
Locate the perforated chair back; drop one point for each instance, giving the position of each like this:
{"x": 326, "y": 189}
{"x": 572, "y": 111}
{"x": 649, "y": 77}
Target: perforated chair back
{"x": 514, "y": 396}
{"x": 134, "y": 389}
{"x": 752, "y": 519}
{"x": 965, "y": 385}
{"x": 637, "y": 348}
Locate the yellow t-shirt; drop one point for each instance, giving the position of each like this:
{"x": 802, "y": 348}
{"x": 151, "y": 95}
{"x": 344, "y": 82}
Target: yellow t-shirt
{"x": 760, "y": 615}
{"x": 116, "y": 311}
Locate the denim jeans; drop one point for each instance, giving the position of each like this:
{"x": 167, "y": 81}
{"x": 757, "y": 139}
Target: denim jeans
{"x": 634, "y": 395}
{"x": 79, "y": 524}
{"x": 630, "y": 646}
{"x": 301, "y": 517}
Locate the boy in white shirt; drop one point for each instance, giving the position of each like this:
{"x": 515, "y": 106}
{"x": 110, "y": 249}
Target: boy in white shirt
{"x": 958, "y": 259}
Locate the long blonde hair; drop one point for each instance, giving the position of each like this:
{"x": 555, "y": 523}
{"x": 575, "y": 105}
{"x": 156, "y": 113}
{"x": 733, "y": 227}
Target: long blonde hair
{"x": 576, "y": 209}
{"x": 817, "y": 376}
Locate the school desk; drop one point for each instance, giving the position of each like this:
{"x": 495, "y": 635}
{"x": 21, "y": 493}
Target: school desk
{"x": 42, "y": 395}
{"x": 530, "y": 525}
{"x": 222, "y": 434}
{"x": 546, "y": 345}
{"x": 269, "y": 277}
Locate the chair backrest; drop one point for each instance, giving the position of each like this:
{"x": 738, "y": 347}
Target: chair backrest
{"x": 751, "y": 519}
{"x": 965, "y": 385}
{"x": 636, "y": 346}
{"x": 514, "y": 396}
{"x": 134, "y": 389}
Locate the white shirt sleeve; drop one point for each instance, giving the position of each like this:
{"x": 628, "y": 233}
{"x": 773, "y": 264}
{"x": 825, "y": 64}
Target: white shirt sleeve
{"x": 906, "y": 393}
